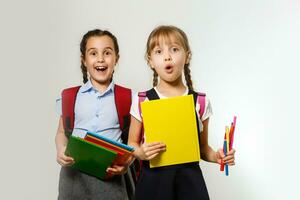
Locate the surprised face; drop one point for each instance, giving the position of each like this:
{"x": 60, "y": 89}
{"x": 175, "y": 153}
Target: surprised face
{"x": 100, "y": 59}
{"x": 168, "y": 58}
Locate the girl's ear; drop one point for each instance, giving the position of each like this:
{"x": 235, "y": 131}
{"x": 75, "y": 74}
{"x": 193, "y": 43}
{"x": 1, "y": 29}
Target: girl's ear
{"x": 188, "y": 57}
{"x": 117, "y": 58}
{"x": 82, "y": 60}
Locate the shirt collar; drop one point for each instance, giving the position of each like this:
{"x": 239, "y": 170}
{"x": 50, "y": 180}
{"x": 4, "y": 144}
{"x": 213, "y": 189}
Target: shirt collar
{"x": 88, "y": 86}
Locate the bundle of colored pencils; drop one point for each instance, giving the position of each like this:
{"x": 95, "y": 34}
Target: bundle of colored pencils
{"x": 228, "y": 142}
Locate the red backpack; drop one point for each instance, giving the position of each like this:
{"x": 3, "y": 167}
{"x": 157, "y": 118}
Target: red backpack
{"x": 122, "y": 101}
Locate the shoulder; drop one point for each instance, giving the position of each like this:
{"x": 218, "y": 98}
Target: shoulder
{"x": 122, "y": 88}
{"x": 123, "y": 95}
{"x": 138, "y": 97}
{"x": 70, "y": 90}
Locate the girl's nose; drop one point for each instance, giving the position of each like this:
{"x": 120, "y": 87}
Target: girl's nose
{"x": 167, "y": 57}
{"x": 100, "y": 59}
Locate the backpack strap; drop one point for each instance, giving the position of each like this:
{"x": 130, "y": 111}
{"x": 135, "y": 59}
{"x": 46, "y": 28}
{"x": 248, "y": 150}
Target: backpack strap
{"x": 123, "y": 103}
{"x": 142, "y": 96}
{"x": 199, "y": 98}
{"x": 68, "y": 105}
{"x": 201, "y": 102}
{"x": 152, "y": 94}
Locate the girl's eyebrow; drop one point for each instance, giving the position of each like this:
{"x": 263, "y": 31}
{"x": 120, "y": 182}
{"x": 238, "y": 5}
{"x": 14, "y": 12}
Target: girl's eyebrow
{"x": 174, "y": 43}
{"x": 169, "y": 44}
{"x": 110, "y": 48}
{"x": 90, "y": 49}
{"x": 93, "y": 48}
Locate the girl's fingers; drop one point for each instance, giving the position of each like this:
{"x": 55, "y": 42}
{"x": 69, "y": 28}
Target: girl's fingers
{"x": 114, "y": 170}
{"x": 231, "y": 152}
{"x": 221, "y": 153}
{"x": 155, "y": 151}
{"x": 152, "y": 156}
{"x": 65, "y": 160}
{"x": 154, "y": 147}
{"x": 231, "y": 163}
{"x": 154, "y": 144}
{"x": 229, "y": 159}
{"x": 111, "y": 170}
{"x": 68, "y": 159}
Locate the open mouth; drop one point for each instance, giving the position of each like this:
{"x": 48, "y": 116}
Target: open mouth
{"x": 100, "y": 68}
{"x": 169, "y": 68}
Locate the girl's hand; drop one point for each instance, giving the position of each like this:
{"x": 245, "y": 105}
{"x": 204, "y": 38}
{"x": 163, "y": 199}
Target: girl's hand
{"x": 229, "y": 159}
{"x": 62, "y": 159}
{"x": 117, "y": 169}
{"x": 150, "y": 150}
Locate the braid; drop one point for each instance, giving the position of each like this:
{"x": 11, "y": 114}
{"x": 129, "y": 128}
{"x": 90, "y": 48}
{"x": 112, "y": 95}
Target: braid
{"x": 188, "y": 78}
{"x": 155, "y": 78}
{"x": 84, "y": 73}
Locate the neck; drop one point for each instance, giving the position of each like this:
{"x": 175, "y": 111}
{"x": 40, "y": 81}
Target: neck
{"x": 101, "y": 87}
{"x": 170, "y": 89}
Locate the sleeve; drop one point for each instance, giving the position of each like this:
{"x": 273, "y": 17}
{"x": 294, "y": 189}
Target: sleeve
{"x": 134, "y": 110}
{"x": 58, "y": 106}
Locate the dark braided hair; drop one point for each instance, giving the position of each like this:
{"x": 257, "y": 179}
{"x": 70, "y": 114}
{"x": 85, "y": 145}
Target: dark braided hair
{"x": 85, "y": 38}
{"x": 188, "y": 78}
{"x": 155, "y": 78}
{"x": 167, "y": 32}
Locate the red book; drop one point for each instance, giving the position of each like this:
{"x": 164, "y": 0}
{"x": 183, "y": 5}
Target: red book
{"x": 122, "y": 154}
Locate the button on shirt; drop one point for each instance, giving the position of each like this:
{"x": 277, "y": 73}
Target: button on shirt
{"x": 95, "y": 112}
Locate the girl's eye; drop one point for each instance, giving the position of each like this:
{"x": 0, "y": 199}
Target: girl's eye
{"x": 107, "y": 53}
{"x": 175, "y": 49}
{"x": 158, "y": 51}
{"x": 93, "y": 53}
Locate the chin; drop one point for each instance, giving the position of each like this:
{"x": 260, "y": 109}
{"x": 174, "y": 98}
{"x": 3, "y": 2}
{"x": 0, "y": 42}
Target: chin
{"x": 171, "y": 79}
{"x": 102, "y": 80}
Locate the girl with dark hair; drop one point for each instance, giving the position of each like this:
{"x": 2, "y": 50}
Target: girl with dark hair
{"x": 95, "y": 110}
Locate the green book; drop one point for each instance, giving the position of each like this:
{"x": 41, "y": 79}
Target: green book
{"x": 90, "y": 158}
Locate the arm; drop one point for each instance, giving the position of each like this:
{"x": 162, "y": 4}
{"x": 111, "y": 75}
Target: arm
{"x": 208, "y": 154}
{"x": 146, "y": 151}
{"x": 61, "y": 142}
{"x": 142, "y": 152}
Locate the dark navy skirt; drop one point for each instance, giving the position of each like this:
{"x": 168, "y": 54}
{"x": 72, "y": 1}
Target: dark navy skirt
{"x": 178, "y": 182}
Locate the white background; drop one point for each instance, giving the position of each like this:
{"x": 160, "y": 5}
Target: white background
{"x": 245, "y": 57}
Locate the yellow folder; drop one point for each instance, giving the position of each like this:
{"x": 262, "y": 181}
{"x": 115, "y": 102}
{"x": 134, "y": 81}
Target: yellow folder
{"x": 173, "y": 122}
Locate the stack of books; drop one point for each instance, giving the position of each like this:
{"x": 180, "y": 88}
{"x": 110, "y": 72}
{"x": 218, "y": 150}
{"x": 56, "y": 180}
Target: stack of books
{"x": 95, "y": 153}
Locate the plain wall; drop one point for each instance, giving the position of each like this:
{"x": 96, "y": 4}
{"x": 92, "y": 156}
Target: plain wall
{"x": 245, "y": 57}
